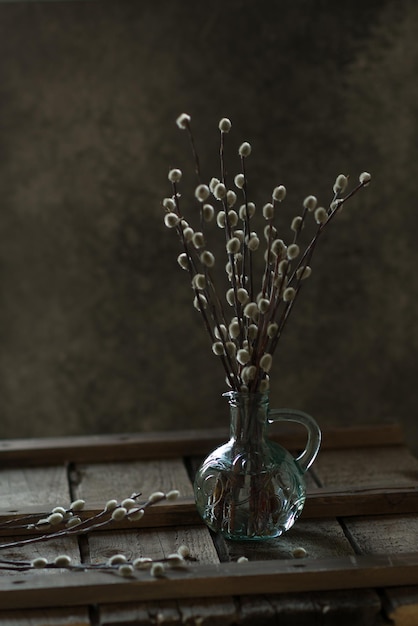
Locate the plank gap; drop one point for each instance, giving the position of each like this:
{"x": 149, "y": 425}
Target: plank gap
{"x": 220, "y": 547}
{"x": 349, "y": 536}
{"x": 73, "y": 479}
{"x": 191, "y": 465}
{"x": 94, "y": 614}
{"x": 83, "y": 545}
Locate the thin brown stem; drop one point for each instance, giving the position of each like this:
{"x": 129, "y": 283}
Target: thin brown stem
{"x": 194, "y": 151}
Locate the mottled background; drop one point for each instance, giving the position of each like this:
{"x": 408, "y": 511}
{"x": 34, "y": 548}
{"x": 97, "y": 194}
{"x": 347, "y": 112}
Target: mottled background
{"x": 97, "y": 331}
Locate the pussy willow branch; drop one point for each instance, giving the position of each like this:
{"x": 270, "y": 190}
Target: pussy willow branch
{"x": 247, "y": 253}
{"x": 194, "y": 151}
{"x": 307, "y": 256}
{"x": 96, "y": 521}
{"x": 214, "y": 310}
{"x": 247, "y": 343}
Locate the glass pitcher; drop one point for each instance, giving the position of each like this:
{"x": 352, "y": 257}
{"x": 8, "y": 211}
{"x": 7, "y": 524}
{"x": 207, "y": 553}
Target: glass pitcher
{"x": 251, "y": 488}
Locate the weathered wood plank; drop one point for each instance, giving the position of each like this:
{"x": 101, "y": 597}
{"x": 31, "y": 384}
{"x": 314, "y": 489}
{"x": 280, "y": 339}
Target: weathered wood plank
{"x": 216, "y": 611}
{"x": 23, "y": 487}
{"x": 172, "y": 444}
{"x": 212, "y": 580}
{"x": 155, "y": 544}
{"x": 320, "y": 539}
{"x": 385, "y": 466}
{"x": 99, "y": 482}
{"x": 326, "y": 608}
{"x": 45, "y": 617}
{"x": 354, "y": 501}
{"x": 140, "y": 613}
{"x": 49, "y": 550}
{"x": 212, "y": 611}
{"x": 384, "y": 534}
{"x": 208, "y": 611}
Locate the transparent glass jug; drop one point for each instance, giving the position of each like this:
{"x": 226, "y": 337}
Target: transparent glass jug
{"x": 251, "y": 488}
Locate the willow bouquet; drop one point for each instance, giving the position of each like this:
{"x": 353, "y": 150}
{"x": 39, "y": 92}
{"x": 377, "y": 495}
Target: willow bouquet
{"x": 246, "y": 322}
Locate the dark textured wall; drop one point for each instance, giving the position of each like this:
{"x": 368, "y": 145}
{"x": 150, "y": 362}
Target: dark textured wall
{"x": 97, "y": 332}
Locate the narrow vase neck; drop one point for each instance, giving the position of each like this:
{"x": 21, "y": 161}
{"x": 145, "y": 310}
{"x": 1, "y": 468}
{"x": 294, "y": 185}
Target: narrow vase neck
{"x": 249, "y": 415}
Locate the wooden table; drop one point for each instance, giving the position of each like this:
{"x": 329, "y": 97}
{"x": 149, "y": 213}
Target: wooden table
{"x": 359, "y": 529}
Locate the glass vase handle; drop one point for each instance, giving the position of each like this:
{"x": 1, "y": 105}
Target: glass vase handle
{"x": 307, "y": 457}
